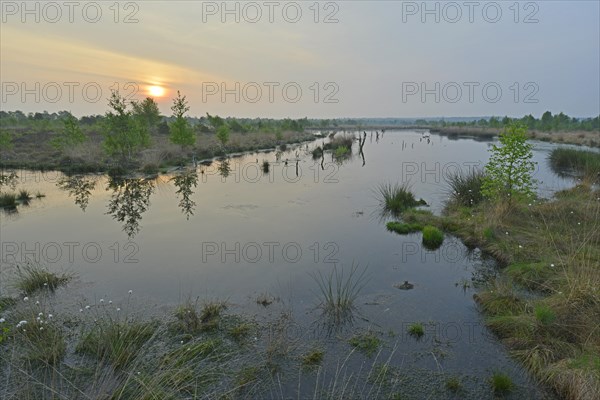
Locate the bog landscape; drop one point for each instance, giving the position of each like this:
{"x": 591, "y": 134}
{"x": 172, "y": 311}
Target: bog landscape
{"x": 295, "y": 200}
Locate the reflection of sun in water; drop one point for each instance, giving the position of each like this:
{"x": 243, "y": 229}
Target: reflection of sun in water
{"x": 156, "y": 91}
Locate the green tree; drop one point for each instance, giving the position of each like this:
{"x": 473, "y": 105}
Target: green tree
{"x": 223, "y": 134}
{"x": 147, "y": 113}
{"x": 546, "y": 121}
{"x": 70, "y": 135}
{"x": 180, "y": 129}
{"x": 215, "y": 121}
{"x": 124, "y": 135}
{"x": 508, "y": 173}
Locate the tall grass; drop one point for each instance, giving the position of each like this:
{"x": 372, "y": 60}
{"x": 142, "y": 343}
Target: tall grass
{"x": 339, "y": 290}
{"x": 33, "y": 277}
{"x": 395, "y": 198}
{"x": 583, "y": 163}
{"x": 465, "y": 188}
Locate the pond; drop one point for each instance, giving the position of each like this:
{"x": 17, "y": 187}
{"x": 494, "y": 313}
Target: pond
{"x": 230, "y": 230}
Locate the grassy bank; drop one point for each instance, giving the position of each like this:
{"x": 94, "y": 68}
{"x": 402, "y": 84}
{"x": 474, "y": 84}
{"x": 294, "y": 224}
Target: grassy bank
{"x": 545, "y": 302}
{"x": 583, "y": 138}
{"x": 33, "y": 150}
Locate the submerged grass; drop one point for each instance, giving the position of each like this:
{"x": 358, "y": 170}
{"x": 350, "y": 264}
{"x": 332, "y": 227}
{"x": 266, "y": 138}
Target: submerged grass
{"x": 338, "y": 291}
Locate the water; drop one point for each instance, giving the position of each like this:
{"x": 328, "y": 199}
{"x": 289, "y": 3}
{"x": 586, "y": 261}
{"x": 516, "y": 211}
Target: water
{"x": 252, "y": 233}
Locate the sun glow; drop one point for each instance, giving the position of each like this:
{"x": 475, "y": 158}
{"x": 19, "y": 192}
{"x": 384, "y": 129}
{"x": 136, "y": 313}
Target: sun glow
{"x": 156, "y": 91}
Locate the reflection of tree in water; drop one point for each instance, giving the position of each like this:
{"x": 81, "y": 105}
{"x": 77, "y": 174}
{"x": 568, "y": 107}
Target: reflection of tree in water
{"x": 184, "y": 184}
{"x": 80, "y": 187}
{"x": 224, "y": 168}
{"x": 129, "y": 200}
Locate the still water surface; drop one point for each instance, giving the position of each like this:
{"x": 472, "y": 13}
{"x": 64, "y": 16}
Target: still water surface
{"x": 254, "y": 233}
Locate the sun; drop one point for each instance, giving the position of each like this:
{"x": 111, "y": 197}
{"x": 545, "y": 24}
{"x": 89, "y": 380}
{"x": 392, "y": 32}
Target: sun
{"x": 156, "y": 91}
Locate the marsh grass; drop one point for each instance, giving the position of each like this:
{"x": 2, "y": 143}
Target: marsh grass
{"x": 340, "y": 141}
{"x": 33, "y": 277}
{"x": 552, "y": 248}
{"x": 42, "y": 338}
{"x": 339, "y": 290}
{"x": 584, "y": 163}
{"x": 395, "y": 198}
{"x": 416, "y": 330}
{"x": 501, "y": 383}
{"x": 367, "y": 343}
{"x": 114, "y": 341}
{"x": 465, "y": 187}
{"x": 341, "y": 152}
{"x": 8, "y": 200}
{"x": 402, "y": 228}
{"x": 453, "y": 384}
{"x": 432, "y": 237}
{"x": 313, "y": 358}
{"x": 24, "y": 195}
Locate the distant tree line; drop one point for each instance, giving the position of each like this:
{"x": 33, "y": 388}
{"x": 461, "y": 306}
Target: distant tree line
{"x": 547, "y": 123}
{"x": 127, "y": 126}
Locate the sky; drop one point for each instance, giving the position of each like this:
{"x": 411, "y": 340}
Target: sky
{"x": 327, "y": 59}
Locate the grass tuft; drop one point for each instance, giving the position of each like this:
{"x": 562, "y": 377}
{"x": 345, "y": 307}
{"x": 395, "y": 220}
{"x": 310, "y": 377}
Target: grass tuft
{"x": 116, "y": 342}
{"x": 501, "y": 383}
{"x": 417, "y": 330}
{"x": 395, "y": 198}
{"x": 465, "y": 188}
{"x": 366, "y": 343}
{"x": 432, "y": 237}
{"x": 313, "y": 358}
{"x": 32, "y": 278}
{"x": 339, "y": 292}
{"x": 24, "y": 195}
